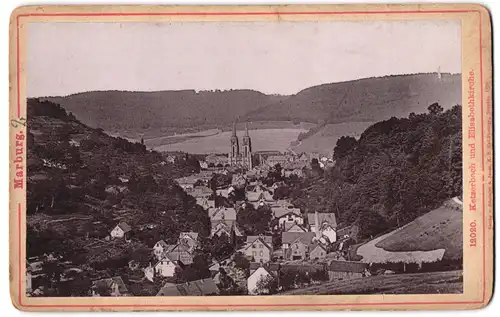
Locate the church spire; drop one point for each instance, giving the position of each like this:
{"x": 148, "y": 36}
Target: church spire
{"x": 234, "y": 128}
{"x": 246, "y": 129}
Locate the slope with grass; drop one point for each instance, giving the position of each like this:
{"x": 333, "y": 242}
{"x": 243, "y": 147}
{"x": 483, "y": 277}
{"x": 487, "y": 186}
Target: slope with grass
{"x": 450, "y": 282}
{"x": 439, "y": 229}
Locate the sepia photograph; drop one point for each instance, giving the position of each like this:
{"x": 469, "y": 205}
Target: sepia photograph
{"x": 182, "y": 159}
{"x": 250, "y": 158}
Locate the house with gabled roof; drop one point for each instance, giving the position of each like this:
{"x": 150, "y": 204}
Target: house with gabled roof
{"x": 302, "y": 158}
{"x": 180, "y": 252}
{"x": 166, "y": 266}
{"x": 286, "y": 215}
{"x": 259, "y": 248}
{"x": 189, "y": 238}
{"x": 203, "y": 287}
{"x": 293, "y": 168}
{"x": 272, "y": 160}
{"x": 223, "y": 220}
{"x": 261, "y": 273}
{"x": 296, "y": 244}
{"x": 317, "y": 251}
{"x": 187, "y": 183}
{"x": 293, "y": 227}
{"x": 120, "y": 231}
{"x": 205, "y": 202}
{"x": 113, "y": 286}
{"x": 260, "y": 199}
{"x": 161, "y": 247}
{"x": 342, "y": 270}
{"x": 325, "y": 224}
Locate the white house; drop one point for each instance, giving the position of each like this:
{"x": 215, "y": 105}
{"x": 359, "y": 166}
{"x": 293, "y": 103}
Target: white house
{"x": 260, "y": 248}
{"x": 205, "y": 202}
{"x": 149, "y": 273}
{"x": 120, "y": 231}
{"x": 259, "y": 274}
{"x": 165, "y": 267}
{"x": 326, "y": 223}
{"x": 287, "y": 215}
{"x": 161, "y": 247}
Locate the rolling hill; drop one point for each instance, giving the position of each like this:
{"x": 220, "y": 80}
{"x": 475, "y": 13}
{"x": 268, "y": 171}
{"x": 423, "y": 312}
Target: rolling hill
{"x": 160, "y": 112}
{"x": 165, "y": 112}
{"x": 370, "y": 99}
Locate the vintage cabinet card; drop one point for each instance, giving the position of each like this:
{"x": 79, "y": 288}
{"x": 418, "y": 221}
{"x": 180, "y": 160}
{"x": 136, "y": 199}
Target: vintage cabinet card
{"x": 251, "y": 157}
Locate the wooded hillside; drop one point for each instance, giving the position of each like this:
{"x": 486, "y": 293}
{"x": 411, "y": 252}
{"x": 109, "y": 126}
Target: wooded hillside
{"x": 398, "y": 170}
{"x": 82, "y": 182}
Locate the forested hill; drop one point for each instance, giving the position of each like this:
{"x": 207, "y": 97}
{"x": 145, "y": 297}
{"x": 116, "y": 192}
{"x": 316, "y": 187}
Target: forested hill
{"x": 162, "y": 112}
{"x": 82, "y": 182}
{"x": 125, "y": 111}
{"x": 369, "y": 99}
{"x": 398, "y": 170}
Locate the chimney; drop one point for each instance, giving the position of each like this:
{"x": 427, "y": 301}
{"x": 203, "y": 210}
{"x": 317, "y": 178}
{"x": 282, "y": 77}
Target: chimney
{"x": 316, "y": 225}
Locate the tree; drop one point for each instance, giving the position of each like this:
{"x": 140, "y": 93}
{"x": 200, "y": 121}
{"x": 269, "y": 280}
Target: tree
{"x": 241, "y": 262}
{"x": 226, "y": 284}
{"x": 435, "y": 109}
{"x": 344, "y": 146}
{"x": 282, "y": 192}
{"x": 267, "y": 285}
{"x": 316, "y": 168}
{"x": 370, "y": 223}
{"x": 219, "y": 247}
{"x": 254, "y": 221}
{"x": 141, "y": 256}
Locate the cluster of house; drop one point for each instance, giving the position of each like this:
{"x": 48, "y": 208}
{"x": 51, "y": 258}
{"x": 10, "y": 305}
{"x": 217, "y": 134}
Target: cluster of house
{"x": 172, "y": 256}
{"x": 303, "y": 237}
{"x": 291, "y": 163}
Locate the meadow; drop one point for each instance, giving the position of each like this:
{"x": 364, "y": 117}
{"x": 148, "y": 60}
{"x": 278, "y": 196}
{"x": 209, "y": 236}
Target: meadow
{"x": 262, "y": 140}
{"x": 326, "y": 138}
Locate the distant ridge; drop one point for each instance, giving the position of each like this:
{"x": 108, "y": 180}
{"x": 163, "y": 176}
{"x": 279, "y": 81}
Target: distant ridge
{"x": 371, "y": 99}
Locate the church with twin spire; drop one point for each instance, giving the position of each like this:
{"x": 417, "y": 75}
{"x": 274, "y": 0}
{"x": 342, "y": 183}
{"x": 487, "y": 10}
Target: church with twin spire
{"x": 241, "y": 158}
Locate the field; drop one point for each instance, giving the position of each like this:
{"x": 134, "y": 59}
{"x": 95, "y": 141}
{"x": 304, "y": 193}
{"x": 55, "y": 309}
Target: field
{"x": 434, "y": 236}
{"x": 438, "y": 229}
{"x": 325, "y": 139}
{"x": 262, "y": 140}
{"x": 450, "y": 282}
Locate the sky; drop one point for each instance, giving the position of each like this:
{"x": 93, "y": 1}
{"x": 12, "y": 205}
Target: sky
{"x": 271, "y": 57}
